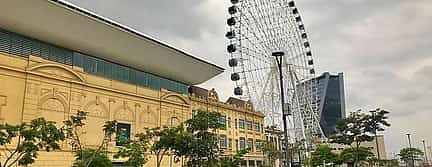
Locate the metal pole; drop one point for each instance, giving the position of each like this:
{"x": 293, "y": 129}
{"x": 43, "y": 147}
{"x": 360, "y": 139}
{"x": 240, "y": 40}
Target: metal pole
{"x": 409, "y": 142}
{"x": 425, "y": 152}
{"x": 284, "y": 113}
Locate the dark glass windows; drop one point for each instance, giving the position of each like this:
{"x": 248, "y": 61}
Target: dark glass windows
{"x": 19, "y": 45}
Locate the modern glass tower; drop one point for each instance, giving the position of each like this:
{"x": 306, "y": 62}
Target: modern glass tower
{"x": 331, "y": 101}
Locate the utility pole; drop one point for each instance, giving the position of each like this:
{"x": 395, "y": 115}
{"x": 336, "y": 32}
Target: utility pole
{"x": 425, "y": 152}
{"x": 409, "y": 142}
{"x": 279, "y": 56}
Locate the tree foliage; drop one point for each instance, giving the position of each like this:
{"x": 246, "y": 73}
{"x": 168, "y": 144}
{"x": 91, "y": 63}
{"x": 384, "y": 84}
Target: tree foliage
{"x": 195, "y": 141}
{"x": 271, "y": 153}
{"x": 323, "y": 154}
{"x": 199, "y": 145}
{"x": 359, "y": 127}
{"x": 99, "y": 159}
{"x": 233, "y": 161}
{"x": 23, "y": 142}
{"x": 356, "y": 156}
{"x": 408, "y": 155}
{"x": 73, "y": 129}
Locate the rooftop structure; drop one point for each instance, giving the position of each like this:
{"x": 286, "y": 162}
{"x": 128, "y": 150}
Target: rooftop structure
{"x": 72, "y": 27}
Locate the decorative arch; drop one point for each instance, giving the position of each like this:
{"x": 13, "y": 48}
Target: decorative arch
{"x": 96, "y": 109}
{"x": 60, "y": 69}
{"x": 147, "y": 115}
{"x": 124, "y": 113}
{"x": 53, "y": 103}
{"x": 175, "y": 98}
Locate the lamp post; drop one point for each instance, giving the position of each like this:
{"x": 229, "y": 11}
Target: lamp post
{"x": 409, "y": 142}
{"x": 279, "y": 56}
{"x": 425, "y": 152}
{"x": 376, "y": 137}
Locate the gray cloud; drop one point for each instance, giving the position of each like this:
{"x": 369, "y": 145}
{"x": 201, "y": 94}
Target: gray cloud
{"x": 382, "y": 46}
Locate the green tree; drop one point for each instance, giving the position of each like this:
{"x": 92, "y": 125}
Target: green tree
{"x": 235, "y": 160}
{"x": 356, "y": 156}
{"x": 390, "y": 163}
{"x": 163, "y": 140}
{"x": 199, "y": 145}
{"x": 195, "y": 141}
{"x": 271, "y": 153}
{"x": 359, "y": 128}
{"x": 73, "y": 128}
{"x": 98, "y": 159}
{"x": 135, "y": 150}
{"x": 410, "y": 155}
{"x": 23, "y": 142}
{"x": 323, "y": 154}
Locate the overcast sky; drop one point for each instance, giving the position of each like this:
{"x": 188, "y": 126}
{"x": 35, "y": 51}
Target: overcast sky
{"x": 383, "y": 48}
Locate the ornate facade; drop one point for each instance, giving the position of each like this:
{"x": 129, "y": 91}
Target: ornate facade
{"x": 34, "y": 87}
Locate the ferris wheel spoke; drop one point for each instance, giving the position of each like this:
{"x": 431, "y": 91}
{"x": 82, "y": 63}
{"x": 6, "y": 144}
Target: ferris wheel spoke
{"x": 262, "y": 27}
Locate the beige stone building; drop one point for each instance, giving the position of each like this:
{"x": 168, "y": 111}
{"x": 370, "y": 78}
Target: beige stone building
{"x": 372, "y": 145}
{"x": 57, "y": 59}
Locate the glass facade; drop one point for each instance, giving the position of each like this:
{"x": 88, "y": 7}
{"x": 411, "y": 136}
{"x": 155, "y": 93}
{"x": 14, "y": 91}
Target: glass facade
{"x": 331, "y": 109}
{"x": 19, "y": 45}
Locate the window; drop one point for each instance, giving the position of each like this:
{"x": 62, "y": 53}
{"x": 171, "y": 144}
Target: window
{"x": 20, "y": 45}
{"x": 249, "y": 125}
{"x": 241, "y": 124}
{"x": 257, "y": 127}
{"x": 258, "y": 145}
{"x": 242, "y": 143}
{"x": 229, "y": 122}
{"x": 122, "y": 132}
{"x": 222, "y": 141}
{"x": 222, "y": 120}
{"x": 250, "y": 144}
{"x": 230, "y": 143}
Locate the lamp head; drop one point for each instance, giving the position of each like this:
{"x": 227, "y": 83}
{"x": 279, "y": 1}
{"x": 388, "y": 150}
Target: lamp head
{"x": 277, "y": 54}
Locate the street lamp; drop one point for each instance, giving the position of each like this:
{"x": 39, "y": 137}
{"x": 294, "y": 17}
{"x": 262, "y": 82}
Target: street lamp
{"x": 410, "y": 147}
{"x": 279, "y": 56}
{"x": 425, "y": 152}
{"x": 376, "y": 138}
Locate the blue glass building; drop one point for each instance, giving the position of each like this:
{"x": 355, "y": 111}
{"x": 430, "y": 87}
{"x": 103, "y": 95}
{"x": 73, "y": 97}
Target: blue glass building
{"x": 330, "y": 101}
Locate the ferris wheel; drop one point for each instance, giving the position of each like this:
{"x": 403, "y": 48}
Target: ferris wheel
{"x": 258, "y": 29}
